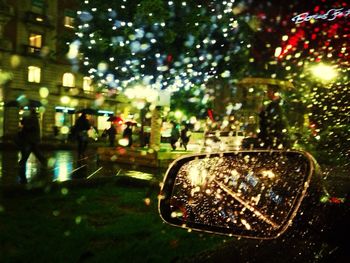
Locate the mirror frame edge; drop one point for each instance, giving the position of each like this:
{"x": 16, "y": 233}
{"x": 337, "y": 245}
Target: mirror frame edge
{"x": 175, "y": 166}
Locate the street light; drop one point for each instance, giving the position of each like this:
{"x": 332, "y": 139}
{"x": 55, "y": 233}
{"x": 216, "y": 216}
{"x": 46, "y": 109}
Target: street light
{"x": 324, "y": 72}
{"x": 65, "y": 99}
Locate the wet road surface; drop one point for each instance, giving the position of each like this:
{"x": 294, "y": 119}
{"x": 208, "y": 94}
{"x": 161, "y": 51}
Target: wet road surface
{"x": 64, "y": 165}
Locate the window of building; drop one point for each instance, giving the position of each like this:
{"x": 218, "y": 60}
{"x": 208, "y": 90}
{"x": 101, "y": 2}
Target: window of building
{"x": 38, "y": 6}
{"x": 68, "y": 80}
{"x": 35, "y": 40}
{"x": 68, "y": 20}
{"x": 35, "y": 43}
{"x": 87, "y": 87}
{"x": 34, "y": 74}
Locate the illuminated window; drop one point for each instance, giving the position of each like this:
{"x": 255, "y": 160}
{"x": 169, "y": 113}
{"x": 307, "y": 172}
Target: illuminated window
{"x": 68, "y": 80}
{"x": 68, "y": 20}
{"x": 35, "y": 40}
{"x": 35, "y": 43}
{"x": 34, "y": 74}
{"x": 87, "y": 84}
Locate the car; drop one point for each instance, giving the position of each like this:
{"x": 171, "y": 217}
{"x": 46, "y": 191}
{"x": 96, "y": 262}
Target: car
{"x": 275, "y": 199}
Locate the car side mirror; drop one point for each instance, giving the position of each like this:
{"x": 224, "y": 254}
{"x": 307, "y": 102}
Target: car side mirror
{"x": 254, "y": 194}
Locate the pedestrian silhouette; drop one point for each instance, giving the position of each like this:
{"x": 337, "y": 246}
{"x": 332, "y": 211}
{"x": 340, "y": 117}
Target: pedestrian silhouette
{"x": 127, "y": 134}
{"x": 185, "y": 136}
{"x": 29, "y": 137}
{"x": 111, "y": 132}
{"x": 81, "y": 127}
{"x": 273, "y": 124}
{"x": 174, "y": 135}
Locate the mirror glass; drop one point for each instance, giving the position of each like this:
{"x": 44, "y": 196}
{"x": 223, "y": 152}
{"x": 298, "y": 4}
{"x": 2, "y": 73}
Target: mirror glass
{"x": 252, "y": 194}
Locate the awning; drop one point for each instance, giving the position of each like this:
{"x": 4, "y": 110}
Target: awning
{"x": 23, "y": 102}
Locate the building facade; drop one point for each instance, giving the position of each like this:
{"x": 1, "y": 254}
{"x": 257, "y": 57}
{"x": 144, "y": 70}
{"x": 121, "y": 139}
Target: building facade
{"x": 36, "y": 64}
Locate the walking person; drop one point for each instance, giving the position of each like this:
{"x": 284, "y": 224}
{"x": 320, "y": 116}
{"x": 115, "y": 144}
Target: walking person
{"x": 111, "y": 132}
{"x": 174, "y": 135}
{"x": 127, "y": 134}
{"x": 82, "y": 125}
{"x": 185, "y": 135}
{"x": 29, "y": 138}
{"x": 273, "y": 124}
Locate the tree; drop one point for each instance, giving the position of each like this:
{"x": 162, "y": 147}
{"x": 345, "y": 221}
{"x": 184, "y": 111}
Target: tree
{"x": 174, "y": 45}
{"x": 181, "y": 45}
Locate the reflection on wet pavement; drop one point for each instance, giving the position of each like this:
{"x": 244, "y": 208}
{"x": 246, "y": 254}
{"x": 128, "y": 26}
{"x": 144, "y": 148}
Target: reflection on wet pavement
{"x": 139, "y": 175}
{"x": 64, "y": 165}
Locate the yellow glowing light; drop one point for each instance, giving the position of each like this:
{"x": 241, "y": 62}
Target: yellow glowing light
{"x": 147, "y": 201}
{"x": 268, "y": 173}
{"x": 65, "y": 99}
{"x": 178, "y": 114}
{"x": 234, "y": 24}
{"x": 123, "y": 142}
{"x": 324, "y": 72}
{"x": 139, "y": 104}
{"x": 246, "y": 224}
{"x": 196, "y": 175}
{"x": 64, "y": 129}
{"x": 102, "y": 66}
{"x": 152, "y": 95}
{"x": 173, "y": 214}
{"x": 193, "y": 120}
{"x": 73, "y": 50}
{"x": 44, "y": 92}
{"x": 278, "y": 51}
{"x": 15, "y": 61}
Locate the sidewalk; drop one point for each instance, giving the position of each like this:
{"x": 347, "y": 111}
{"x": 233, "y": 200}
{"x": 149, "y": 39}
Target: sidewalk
{"x": 142, "y": 156}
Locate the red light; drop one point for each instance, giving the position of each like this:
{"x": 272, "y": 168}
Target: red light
{"x": 169, "y": 58}
{"x": 336, "y": 200}
{"x": 210, "y": 114}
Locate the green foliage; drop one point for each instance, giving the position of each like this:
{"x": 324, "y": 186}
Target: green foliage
{"x": 151, "y": 11}
{"x": 192, "y": 105}
{"x": 170, "y": 41}
{"x": 334, "y": 145}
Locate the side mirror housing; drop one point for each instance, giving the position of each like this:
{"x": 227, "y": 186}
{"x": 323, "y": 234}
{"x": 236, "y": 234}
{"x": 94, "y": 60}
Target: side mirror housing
{"x": 254, "y": 194}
